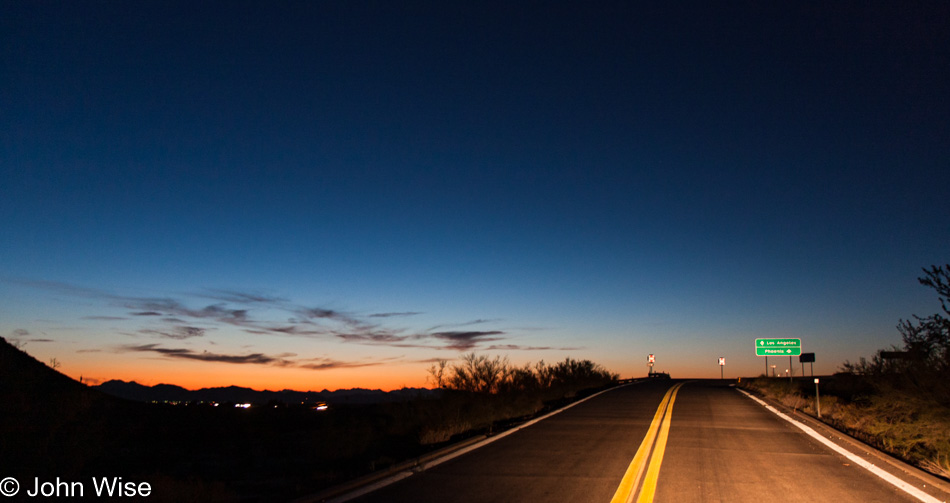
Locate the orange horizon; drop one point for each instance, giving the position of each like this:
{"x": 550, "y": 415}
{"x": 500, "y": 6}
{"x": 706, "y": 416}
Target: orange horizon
{"x": 96, "y": 368}
{"x": 257, "y": 379}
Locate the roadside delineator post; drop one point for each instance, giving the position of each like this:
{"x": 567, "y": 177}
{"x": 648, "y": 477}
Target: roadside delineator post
{"x": 817, "y": 401}
{"x": 807, "y": 358}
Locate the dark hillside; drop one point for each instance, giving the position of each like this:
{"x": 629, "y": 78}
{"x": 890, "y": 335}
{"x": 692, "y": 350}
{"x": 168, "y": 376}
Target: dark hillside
{"x": 51, "y": 424}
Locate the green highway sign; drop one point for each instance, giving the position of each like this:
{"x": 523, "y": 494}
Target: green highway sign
{"x": 778, "y": 347}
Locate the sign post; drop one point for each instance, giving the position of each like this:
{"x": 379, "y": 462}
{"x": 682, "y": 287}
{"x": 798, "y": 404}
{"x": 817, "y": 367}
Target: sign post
{"x": 807, "y": 358}
{"x": 650, "y": 361}
{"x": 778, "y": 347}
{"x": 722, "y": 363}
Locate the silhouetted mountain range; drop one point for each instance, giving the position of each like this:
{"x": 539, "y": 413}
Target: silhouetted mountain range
{"x": 234, "y": 394}
{"x": 27, "y": 381}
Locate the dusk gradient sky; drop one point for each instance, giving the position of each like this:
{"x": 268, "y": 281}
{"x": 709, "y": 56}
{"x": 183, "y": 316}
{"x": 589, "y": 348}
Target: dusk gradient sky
{"x": 314, "y": 195}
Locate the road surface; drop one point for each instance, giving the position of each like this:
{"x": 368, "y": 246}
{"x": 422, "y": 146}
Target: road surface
{"x": 714, "y": 444}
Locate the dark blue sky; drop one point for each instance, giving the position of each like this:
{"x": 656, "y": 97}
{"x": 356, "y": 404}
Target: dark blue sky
{"x": 601, "y": 180}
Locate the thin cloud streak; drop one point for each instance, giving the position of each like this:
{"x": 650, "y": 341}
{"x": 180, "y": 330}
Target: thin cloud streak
{"x": 393, "y": 315}
{"x": 516, "y": 347}
{"x": 374, "y": 338}
{"x": 307, "y": 321}
{"x": 334, "y": 364}
{"x": 318, "y": 313}
{"x": 281, "y": 360}
{"x": 294, "y": 330}
{"x": 464, "y": 341}
{"x": 463, "y": 324}
{"x": 253, "y": 358}
{"x": 179, "y": 333}
{"x": 239, "y": 297}
{"x": 56, "y": 286}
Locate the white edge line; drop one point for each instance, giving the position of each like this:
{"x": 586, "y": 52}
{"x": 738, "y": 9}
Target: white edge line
{"x": 900, "y": 484}
{"x": 392, "y": 479}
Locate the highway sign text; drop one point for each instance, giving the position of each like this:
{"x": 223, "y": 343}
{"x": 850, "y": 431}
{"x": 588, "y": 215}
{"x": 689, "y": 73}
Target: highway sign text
{"x": 778, "y": 347}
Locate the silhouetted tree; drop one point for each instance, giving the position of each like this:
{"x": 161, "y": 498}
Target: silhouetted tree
{"x": 929, "y": 338}
{"x": 478, "y": 373}
{"x": 922, "y": 364}
{"x": 437, "y": 373}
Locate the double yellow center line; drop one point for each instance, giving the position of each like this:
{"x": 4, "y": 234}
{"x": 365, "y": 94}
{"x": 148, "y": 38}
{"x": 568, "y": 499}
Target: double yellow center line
{"x": 655, "y": 441}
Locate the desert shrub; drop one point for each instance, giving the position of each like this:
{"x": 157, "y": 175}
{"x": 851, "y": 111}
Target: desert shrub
{"x": 482, "y": 374}
{"x": 794, "y": 401}
{"x": 483, "y": 392}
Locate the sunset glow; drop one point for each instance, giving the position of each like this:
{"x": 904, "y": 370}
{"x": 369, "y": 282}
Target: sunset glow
{"x": 329, "y": 196}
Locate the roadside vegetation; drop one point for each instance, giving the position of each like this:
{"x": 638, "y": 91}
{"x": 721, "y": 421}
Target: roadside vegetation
{"x": 899, "y": 400}
{"x": 483, "y": 393}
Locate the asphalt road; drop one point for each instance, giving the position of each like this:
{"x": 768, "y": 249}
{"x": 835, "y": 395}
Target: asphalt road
{"x": 721, "y": 446}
